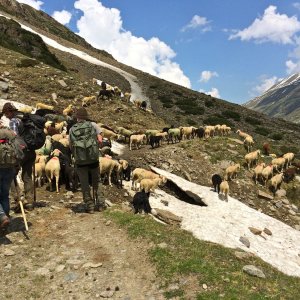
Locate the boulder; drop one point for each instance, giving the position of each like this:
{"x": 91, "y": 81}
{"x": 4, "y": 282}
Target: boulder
{"x": 254, "y": 271}
{"x": 264, "y": 195}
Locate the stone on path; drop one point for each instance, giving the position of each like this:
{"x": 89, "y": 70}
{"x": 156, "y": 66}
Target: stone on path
{"x": 264, "y": 195}
{"x": 255, "y": 230}
{"x": 267, "y": 231}
{"x": 245, "y": 241}
{"x": 9, "y": 252}
{"x": 62, "y": 83}
{"x": 242, "y": 255}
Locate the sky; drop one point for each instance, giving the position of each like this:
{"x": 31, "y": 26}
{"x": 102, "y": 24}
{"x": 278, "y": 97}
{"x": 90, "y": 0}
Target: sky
{"x": 233, "y": 50}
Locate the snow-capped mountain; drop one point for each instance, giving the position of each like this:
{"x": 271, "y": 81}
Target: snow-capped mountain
{"x": 281, "y": 100}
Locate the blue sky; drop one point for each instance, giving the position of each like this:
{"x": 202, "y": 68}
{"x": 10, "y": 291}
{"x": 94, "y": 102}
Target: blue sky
{"x": 233, "y": 49}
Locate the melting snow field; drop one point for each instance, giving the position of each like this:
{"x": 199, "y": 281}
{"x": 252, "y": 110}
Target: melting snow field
{"x": 224, "y": 223}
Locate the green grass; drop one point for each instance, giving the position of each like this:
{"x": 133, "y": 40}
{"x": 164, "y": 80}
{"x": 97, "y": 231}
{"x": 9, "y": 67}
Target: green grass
{"x": 207, "y": 263}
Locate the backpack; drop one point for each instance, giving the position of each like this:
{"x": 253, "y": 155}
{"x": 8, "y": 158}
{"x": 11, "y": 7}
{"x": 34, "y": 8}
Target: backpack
{"x": 84, "y": 143}
{"x": 11, "y": 149}
{"x": 31, "y": 129}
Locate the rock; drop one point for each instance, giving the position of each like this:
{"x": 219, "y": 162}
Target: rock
{"x": 204, "y": 286}
{"x": 267, "y": 231}
{"x": 291, "y": 212}
{"x": 4, "y": 87}
{"x": 187, "y": 175}
{"x": 69, "y": 195}
{"x": 7, "y": 267}
{"x": 285, "y": 201}
{"x": 42, "y": 272}
{"x": 255, "y": 230}
{"x": 280, "y": 193}
{"x": 254, "y": 271}
{"x": 297, "y": 227}
{"x": 278, "y": 204}
{"x": 71, "y": 277}
{"x": 6, "y": 73}
{"x": 164, "y": 202}
{"x": 108, "y": 223}
{"x": 162, "y": 245}
{"x": 59, "y": 268}
{"x": 236, "y": 141}
{"x": 245, "y": 241}
{"x": 8, "y": 252}
{"x": 264, "y": 195}
{"x": 294, "y": 208}
{"x": 242, "y": 255}
{"x": 73, "y": 262}
{"x": 91, "y": 265}
{"x": 62, "y": 83}
{"x": 3, "y": 62}
{"x": 297, "y": 178}
{"x": 167, "y": 217}
{"x": 107, "y": 294}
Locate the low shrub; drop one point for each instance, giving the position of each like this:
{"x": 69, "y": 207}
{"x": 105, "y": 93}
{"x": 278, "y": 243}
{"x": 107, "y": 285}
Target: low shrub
{"x": 252, "y": 121}
{"x": 167, "y": 104}
{"x": 262, "y": 131}
{"x": 217, "y": 119}
{"x": 191, "y": 122}
{"x": 27, "y": 62}
{"x": 276, "y": 136}
{"x": 209, "y": 103}
{"x": 232, "y": 115}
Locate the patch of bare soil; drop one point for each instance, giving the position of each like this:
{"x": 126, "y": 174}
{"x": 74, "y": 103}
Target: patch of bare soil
{"x": 68, "y": 255}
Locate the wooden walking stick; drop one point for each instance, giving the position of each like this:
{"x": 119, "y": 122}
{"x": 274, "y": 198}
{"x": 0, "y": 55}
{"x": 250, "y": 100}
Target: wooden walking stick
{"x": 21, "y": 203}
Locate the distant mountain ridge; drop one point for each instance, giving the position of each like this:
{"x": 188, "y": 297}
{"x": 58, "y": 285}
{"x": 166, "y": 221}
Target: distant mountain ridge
{"x": 282, "y": 100}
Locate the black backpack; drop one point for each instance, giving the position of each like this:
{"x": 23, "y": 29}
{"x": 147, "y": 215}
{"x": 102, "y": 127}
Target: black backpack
{"x": 31, "y": 129}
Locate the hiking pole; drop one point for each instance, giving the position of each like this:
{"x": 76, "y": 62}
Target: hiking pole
{"x": 20, "y": 203}
{"x": 34, "y": 187}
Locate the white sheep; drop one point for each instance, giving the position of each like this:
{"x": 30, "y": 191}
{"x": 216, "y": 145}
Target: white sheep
{"x": 68, "y": 110}
{"x": 278, "y": 163}
{"x": 149, "y": 185}
{"x": 139, "y": 173}
{"x": 110, "y": 135}
{"x": 39, "y": 168}
{"x": 251, "y": 158}
{"x": 276, "y": 181}
{"x": 107, "y": 165}
{"x": 258, "y": 171}
{"x": 52, "y": 168}
{"x": 266, "y": 173}
{"x": 224, "y": 189}
{"x": 88, "y": 101}
{"x": 231, "y": 171}
{"x": 137, "y": 140}
{"x": 41, "y": 105}
{"x": 289, "y": 157}
{"x": 242, "y": 134}
{"x": 26, "y": 109}
{"x": 248, "y": 143}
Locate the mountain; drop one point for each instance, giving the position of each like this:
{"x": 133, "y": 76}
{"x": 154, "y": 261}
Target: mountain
{"x": 281, "y": 100}
{"x": 172, "y": 103}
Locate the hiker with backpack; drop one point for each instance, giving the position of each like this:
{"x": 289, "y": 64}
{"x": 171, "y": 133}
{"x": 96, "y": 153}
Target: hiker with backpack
{"x": 10, "y": 154}
{"x": 85, "y": 137}
{"x": 30, "y": 128}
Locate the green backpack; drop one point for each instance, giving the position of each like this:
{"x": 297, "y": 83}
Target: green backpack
{"x": 84, "y": 143}
{"x": 11, "y": 149}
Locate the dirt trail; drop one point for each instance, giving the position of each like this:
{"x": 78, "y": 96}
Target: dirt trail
{"x": 73, "y": 256}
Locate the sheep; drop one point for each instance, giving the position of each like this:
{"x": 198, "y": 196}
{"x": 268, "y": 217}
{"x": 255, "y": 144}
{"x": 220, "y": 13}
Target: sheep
{"x": 173, "y": 135}
{"x": 266, "y": 172}
{"x": 59, "y": 126}
{"x": 289, "y": 174}
{"x": 242, "y": 134}
{"x": 43, "y": 106}
{"x": 226, "y": 130}
{"x": 273, "y": 155}
{"x": 150, "y": 132}
{"x": 52, "y": 168}
{"x": 138, "y": 174}
{"x": 127, "y": 97}
{"x": 276, "y": 181}
{"x": 266, "y": 149}
{"x": 110, "y": 135}
{"x": 136, "y": 139}
{"x": 216, "y": 181}
{"x": 258, "y": 171}
{"x": 231, "y": 171}
{"x": 88, "y": 101}
{"x": 57, "y": 137}
{"x": 39, "y": 168}
{"x": 207, "y": 132}
{"x": 107, "y": 166}
{"x": 155, "y": 141}
{"x": 248, "y": 143}
{"x": 199, "y": 132}
{"x": 26, "y": 109}
{"x": 164, "y": 135}
{"x": 65, "y": 141}
{"x": 251, "y": 158}
{"x": 187, "y": 132}
{"x": 137, "y": 103}
{"x": 149, "y": 185}
{"x": 124, "y": 132}
{"x": 224, "y": 189}
{"x": 278, "y": 163}
{"x": 117, "y": 90}
{"x": 68, "y": 110}
{"x": 289, "y": 157}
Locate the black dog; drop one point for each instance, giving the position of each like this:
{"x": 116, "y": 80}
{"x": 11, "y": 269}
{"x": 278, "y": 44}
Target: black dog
{"x": 216, "y": 181}
{"x": 141, "y": 203}
{"x": 127, "y": 173}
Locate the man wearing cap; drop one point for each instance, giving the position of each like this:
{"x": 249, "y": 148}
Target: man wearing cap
{"x": 9, "y": 111}
{"x": 90, "y": 169}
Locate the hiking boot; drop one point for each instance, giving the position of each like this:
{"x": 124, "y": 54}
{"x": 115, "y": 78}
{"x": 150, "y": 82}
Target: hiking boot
{"x": 4, "y": 221}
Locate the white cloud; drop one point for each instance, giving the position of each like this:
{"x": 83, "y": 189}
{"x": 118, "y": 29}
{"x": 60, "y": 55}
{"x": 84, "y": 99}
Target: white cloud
{"x": 207, "y": 75}
{"x": 271, "y": 27}
{"x": 264, "y": 85}
{"x": 102, "y": 27}
{"x": 196, "y": 22}
{"x": 296, "y": 5}
{"x": 214, "y": 92}
{"x": 34, "y": 3}
{"x": 62, "y": 17}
